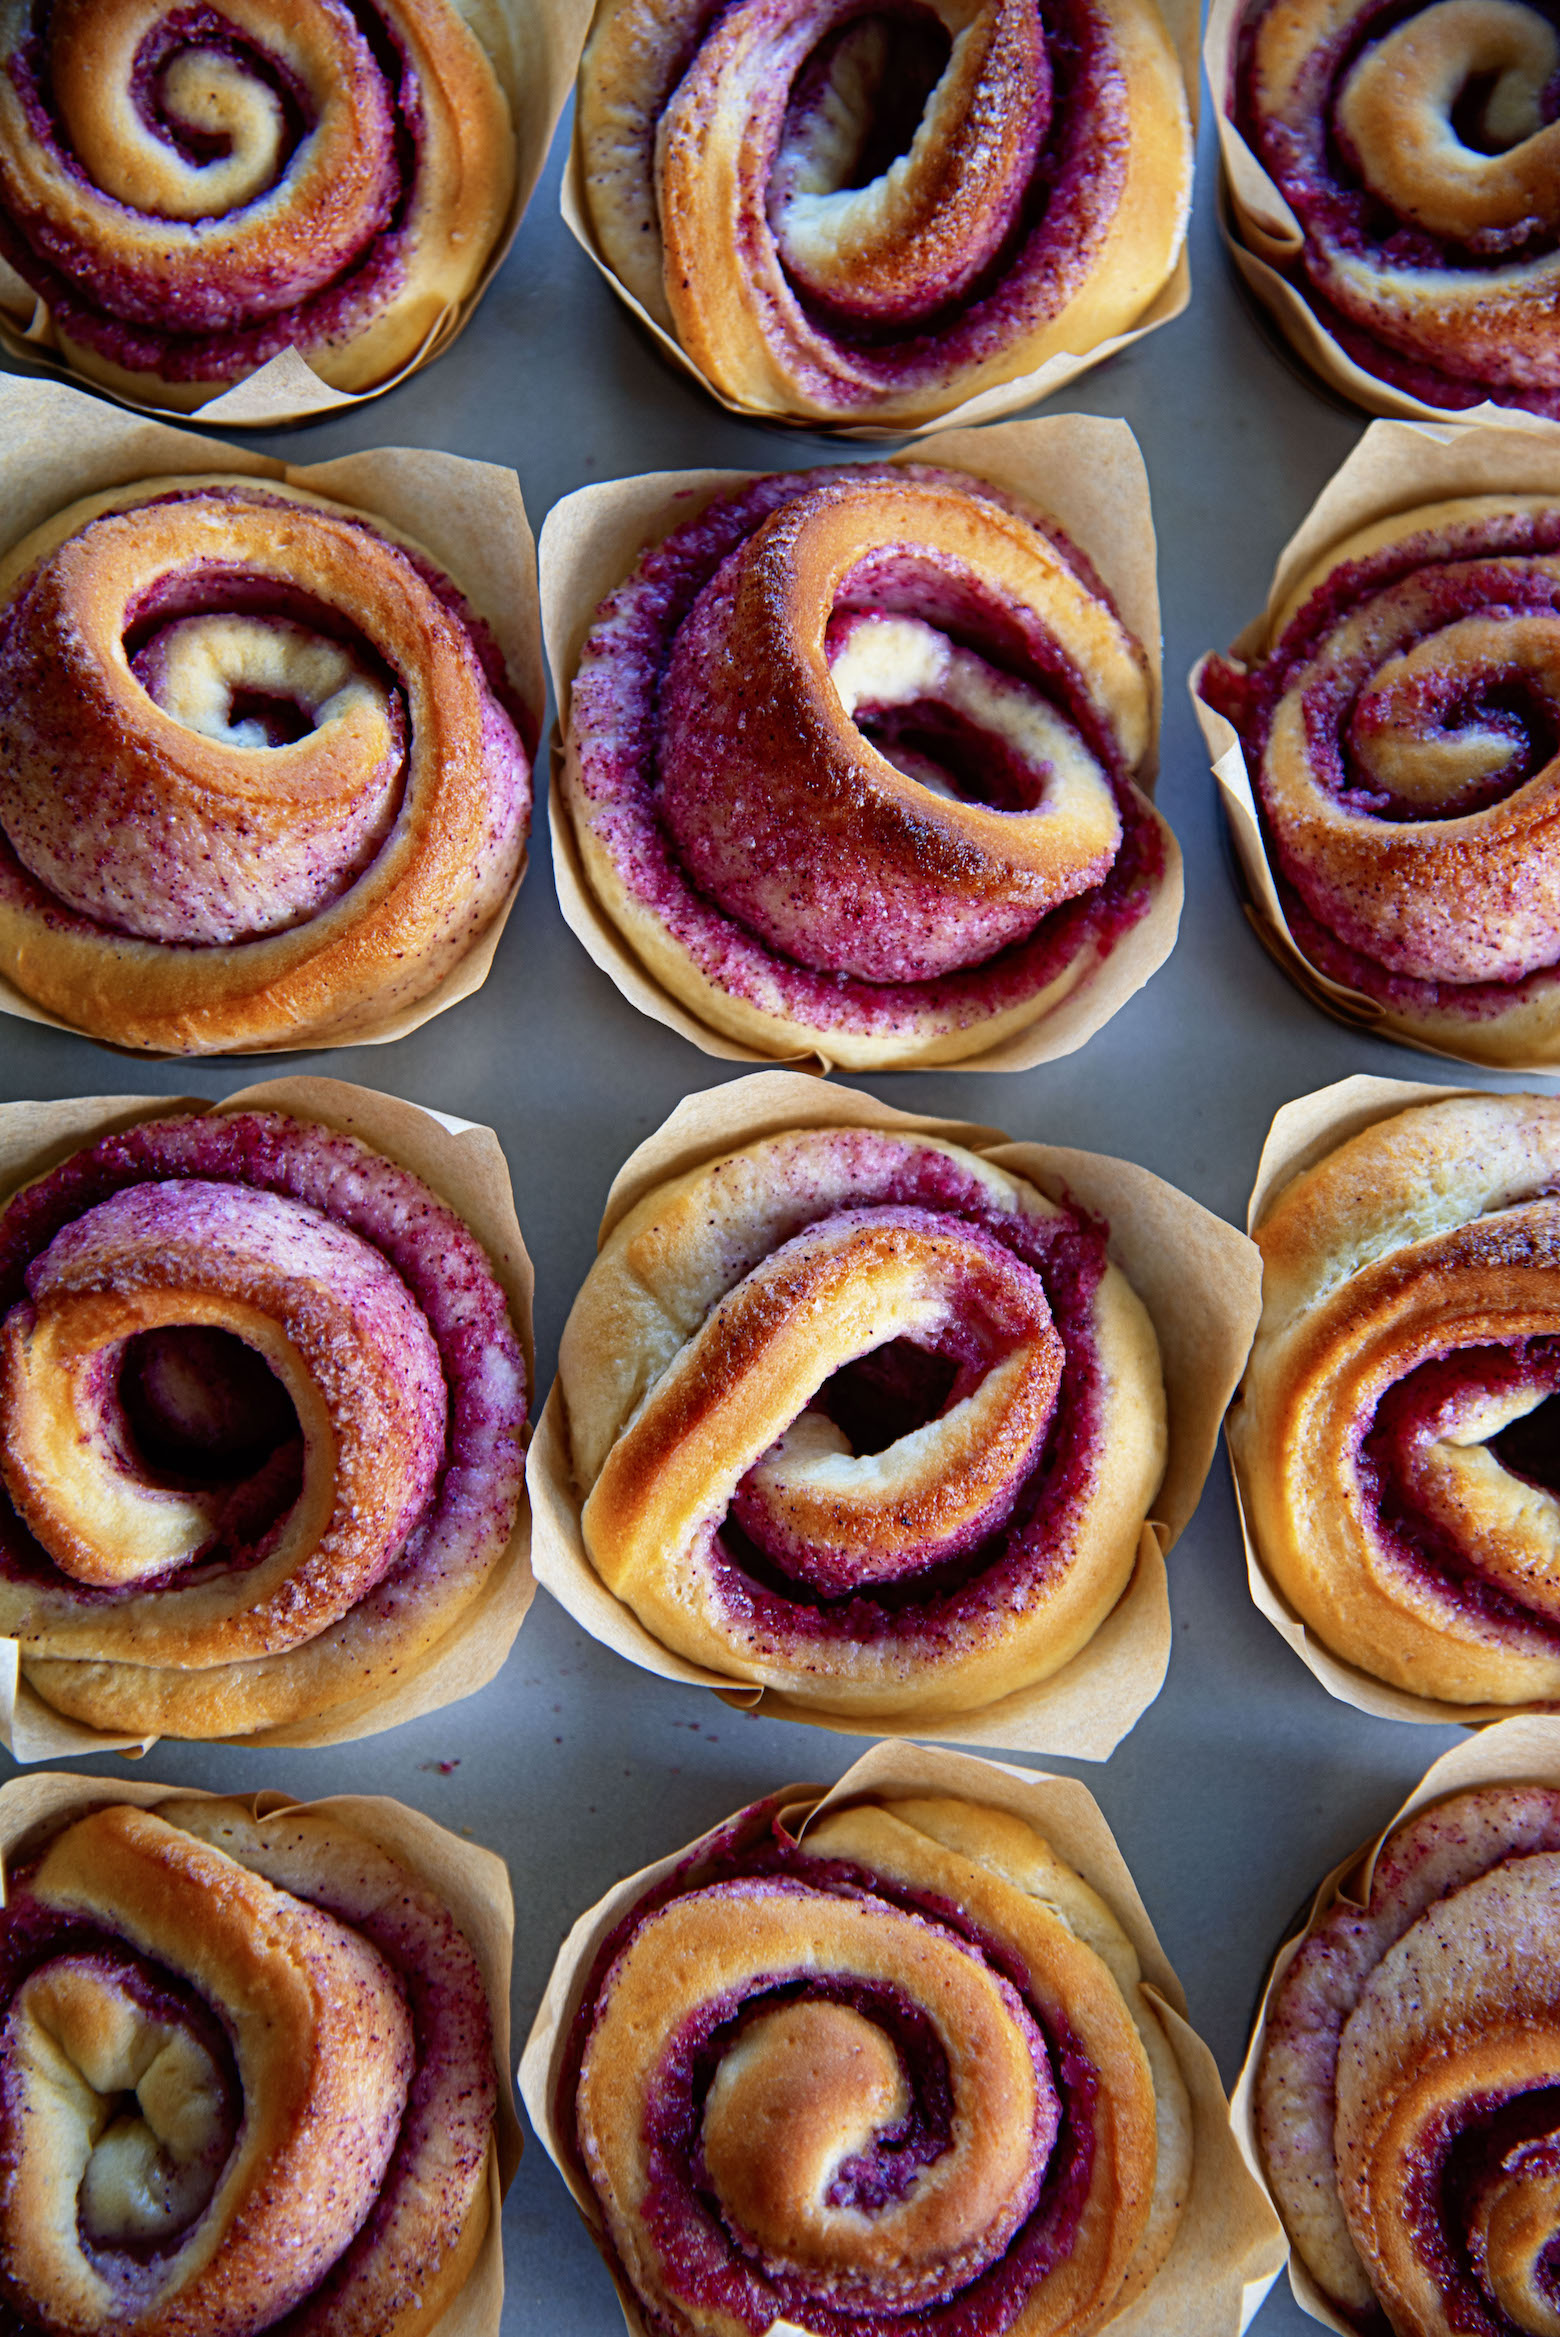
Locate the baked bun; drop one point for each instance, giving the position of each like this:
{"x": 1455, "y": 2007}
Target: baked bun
{"x": 261, "y": 1411}
{"x": 851, "y": 765}
{"x": 1417, "y": 150}
{"x": 1404, "y": 2098}
{"x": 1401, "y": 732}
{"x": 246, "y": 2081}
{"x": 859, "y": 1416}
{"x": 259, "y": 783}
{"x": 192, "y": 191}
{"x": 853, "y": 217}
{"x": 1393, "y": 1434}
{"x": 906, "y": 2068}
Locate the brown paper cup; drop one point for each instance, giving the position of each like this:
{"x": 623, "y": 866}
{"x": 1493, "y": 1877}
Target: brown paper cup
{"x": 1200, "y": 1281}
{"x": 1227, "y": 2251}
{"x": 465, "y": 1166}
{"x": 1303, "y": 1133}
{"x": 1264, "y": 240}
{"x": 1516, "y": 1752}
{"x": 57, "y": 446}
{"x": 1396, "y": 467}
{"x": 1181, "y": 18}
{"x": 535, "y": 56}
{"x": 472, "y": 1883}
{"x": 1083, "y": 472}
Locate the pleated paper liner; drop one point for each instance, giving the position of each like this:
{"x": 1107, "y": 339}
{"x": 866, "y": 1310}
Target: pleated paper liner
{"x": 472, "y": 1883}
{"x": 1227, "y": 2249}
{"x": 1200, "y": 1281}
{"x": 1084, "y": 473}
{"x": 465, "y": 1167}
{"x": 1181, "y": 18}
{"x": 536, "y": 65}
{"x": 1396, "y": 467}
{"x": 58, "y": 445}
{"x": 1264, "y": 240}
{"x": 1516, "y": 1752}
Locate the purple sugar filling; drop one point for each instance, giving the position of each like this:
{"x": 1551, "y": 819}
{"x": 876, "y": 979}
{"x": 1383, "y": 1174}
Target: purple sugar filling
{"x": 705, "y": 2256}
{"x": 476, "y": 1492}
{"x": 615, "y": 723}
{"x": 1458, "y": 2151}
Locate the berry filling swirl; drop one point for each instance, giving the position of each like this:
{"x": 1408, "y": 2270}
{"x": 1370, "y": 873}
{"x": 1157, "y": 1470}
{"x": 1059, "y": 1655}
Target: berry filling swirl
{"x": 192, "y": 188}
{"x": 1418, "y": 147}
{"x": 246, "y": 2082}
{"x": 1403, "y": 735}
{"x": 871, "y": 212}
{"x": 860, "y": 1417}
{"x": 260, "y": 1420}
{"x": 851, "y": 763}
{"x": 260, "y": 783}
{"x": 1406, "y": 2103}
{"x": 905, "y": 2070}
{"x": 1396, "y": 1433}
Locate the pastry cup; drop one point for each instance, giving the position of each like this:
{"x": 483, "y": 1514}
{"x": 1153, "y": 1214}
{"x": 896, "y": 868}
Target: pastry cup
{"x": 1303, "y": 1133}
{"x": 535, "y": 65}
{"x": 472, "y": 1883}
{"x": 1227, "y": 2250}
{"x": 1085, "y": 473}
{"x": 1264, "y": 240}
{"x": 1198, "y": 1278}
{"x": 464, "y": 1165}
{"x": 1181, "y": 19}
{"x": 58, "y": 446}
{"x": 1517, "y": 1752}
{"x": 1396, "y": 467}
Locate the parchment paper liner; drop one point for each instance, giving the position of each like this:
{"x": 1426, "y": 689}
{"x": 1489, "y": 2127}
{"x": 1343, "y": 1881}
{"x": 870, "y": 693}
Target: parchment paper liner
{"x": 1082, "y": 471}
{"x": 1525, "y": 1751}
{"x": 472, "y": 1883}
{"x": 1264, "y": 240}
{"x": 465, "y": 1166}
{"x": 1200, "y": 1281}
{"x": 547, "y": 37}
{"x": 1227, "y": 2251}
{"x": 1181, "y": 19}
{"x": 1397, "y": 466}
{"x": 58, "y": 445}
{"x": 1303, "y": 1133}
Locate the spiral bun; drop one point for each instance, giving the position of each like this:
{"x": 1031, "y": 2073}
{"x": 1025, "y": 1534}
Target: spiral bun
{"x": 858, "y": 1416}
{"x": 246, "y": 2081}
{"x": 853, "y": 216}
{"x": 260, "y": 1418}
{"x": 193, "y": 190}
{"x": 1404, "y": 2093}
{"x": 1417, "y": 149}
{"x": 1403, "y": 736}
{"x": 259, "y": 783}
{"x": 851, "y": 764}
{"x": 908, "y": 2067}
{"x": 1391, "y": 1433}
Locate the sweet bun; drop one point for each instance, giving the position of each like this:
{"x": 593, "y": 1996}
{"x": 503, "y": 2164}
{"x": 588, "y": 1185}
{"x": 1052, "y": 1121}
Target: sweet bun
{"x": 856, "y": 1415}
{"x": 263, "y": 782}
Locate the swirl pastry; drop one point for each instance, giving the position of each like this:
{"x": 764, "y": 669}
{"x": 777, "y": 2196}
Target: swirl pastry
{"x": 851, "y": 763}
{"x": 859, "y": 1416}
{"x": 859, "y": 213}
{"x": 193, "y": 189}
{"x": 1403, "y": 736}
{"x": 1395, "y": 1431}
{"x": 259, "y": 784}
{"x": 1405, "y": 2093}
{"x": 1418, "y": 149}
{"x": 906, "y": 2069}
{"x": 261, "y": 1411}
{"x": 246, "y": 2081}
